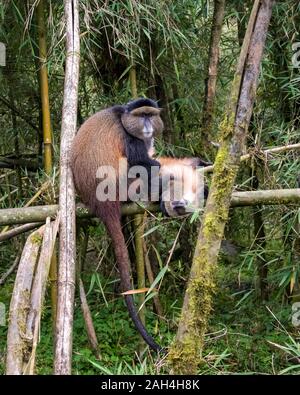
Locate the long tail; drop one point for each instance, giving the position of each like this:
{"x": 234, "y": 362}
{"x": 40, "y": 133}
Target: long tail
{"x": 109, "y": 214}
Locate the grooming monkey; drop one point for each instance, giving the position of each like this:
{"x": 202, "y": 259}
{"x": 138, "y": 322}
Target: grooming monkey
{"x": 119, "y": 132}
{"x": 181, "y": 175}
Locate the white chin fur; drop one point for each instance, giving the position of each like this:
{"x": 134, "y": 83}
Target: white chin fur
{"x": 148, "y": 131}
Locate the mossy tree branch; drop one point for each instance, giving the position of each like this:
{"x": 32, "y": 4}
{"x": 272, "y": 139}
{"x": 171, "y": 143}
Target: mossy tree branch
{"x": 24, "y": 215}
{"x": 185, "y": 352}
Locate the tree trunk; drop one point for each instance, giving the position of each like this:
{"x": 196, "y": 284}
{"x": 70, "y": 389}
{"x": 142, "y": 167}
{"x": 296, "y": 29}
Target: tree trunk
{"x": 211, "y": 79}
{"x": 185, "y": 353}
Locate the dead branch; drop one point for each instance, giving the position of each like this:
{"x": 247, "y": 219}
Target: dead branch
{"x": 10, "y": 270}
{"x": 18, "y": 230}
{"x": 88, "y": 320}
{"x": 38, "y": 294}
{"x": 264, "y": 153}
{"x": 19, "y": 305}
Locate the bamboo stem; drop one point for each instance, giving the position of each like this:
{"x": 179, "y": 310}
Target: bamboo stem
{"x": 133, "y": 82}
{"x": 44, "y": 88}
{"x": 138, "y": 225}
{"x": 47, "y": 134}
{"x": 14, "y": 216}
{"x": 67, "y": 233}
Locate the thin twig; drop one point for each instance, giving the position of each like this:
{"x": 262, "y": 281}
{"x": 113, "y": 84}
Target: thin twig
{"x": 10, "y": 270}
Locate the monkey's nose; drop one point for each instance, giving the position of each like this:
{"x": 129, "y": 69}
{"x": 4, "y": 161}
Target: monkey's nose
{"x": 179, "y": 203}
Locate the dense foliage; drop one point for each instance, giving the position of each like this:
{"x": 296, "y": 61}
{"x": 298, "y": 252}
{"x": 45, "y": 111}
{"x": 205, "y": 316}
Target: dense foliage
{"x": 167, "y": 42}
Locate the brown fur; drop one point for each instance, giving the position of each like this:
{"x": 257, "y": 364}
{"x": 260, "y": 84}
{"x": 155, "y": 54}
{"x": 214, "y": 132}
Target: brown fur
{"x": 180, "y": 172}
{"x": 100, "y": 141}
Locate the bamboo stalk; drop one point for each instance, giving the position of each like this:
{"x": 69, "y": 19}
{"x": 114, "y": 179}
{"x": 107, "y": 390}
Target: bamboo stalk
{"x": 133, "y": 83}
{"x": 47, "y": 135}
{"x": 44, "y": 87}
{"x": 14, "y": 216}
{"x": 67, "y": 233}
{"x": 138, "y": 225}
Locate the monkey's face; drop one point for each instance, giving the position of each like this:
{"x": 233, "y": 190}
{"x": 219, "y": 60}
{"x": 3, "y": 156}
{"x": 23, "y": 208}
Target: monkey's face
{"x": 143, "y": 123}
{"x": 183, "y": 191}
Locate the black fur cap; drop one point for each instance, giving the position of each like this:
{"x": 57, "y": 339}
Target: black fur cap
{"x": 140, "y": 102}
